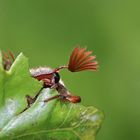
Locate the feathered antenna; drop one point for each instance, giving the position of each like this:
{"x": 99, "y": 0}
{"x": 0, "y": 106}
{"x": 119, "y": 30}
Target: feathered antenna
{"x": 81, "y": 60}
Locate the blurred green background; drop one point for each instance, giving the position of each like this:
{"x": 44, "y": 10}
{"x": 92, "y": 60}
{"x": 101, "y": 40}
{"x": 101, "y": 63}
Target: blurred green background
{"x": 47, "y": 31}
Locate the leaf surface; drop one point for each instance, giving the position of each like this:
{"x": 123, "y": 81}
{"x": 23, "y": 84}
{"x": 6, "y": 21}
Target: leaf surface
{"x": 54, "y": 120}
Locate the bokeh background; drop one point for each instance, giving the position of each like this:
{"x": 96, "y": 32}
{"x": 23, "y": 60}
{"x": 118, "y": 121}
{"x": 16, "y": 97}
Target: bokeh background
{"x": 47, "y": 31}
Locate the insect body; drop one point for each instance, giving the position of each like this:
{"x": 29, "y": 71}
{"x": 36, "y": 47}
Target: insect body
{"x": 80, "y": 60}
{"x": 47, "y": 75}
{"x": 51, "y": 79}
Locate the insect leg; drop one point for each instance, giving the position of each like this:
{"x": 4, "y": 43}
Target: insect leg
{"x": 66, "y": 98}
{"x": 51, "y": 98}
{"x": 65, "y": 95}
{"x": 31, "y": 100}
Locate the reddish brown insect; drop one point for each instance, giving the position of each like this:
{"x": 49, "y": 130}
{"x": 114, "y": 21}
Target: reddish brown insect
{"x": 80, "y": 60}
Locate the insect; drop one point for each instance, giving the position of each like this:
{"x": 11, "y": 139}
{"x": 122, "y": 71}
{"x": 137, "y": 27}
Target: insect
{"x": 80, "y": 60}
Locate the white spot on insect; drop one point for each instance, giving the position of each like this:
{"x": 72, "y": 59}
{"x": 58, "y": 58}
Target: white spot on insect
{"x": 40, "y": 71}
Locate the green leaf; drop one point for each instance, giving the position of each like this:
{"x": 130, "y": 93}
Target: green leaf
{"x": 54, "y": 120}
{"x": 15, "y": 84}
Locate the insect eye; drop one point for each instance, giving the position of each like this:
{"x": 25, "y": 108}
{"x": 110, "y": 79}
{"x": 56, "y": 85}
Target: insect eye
{"x": 56, "y": 77}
